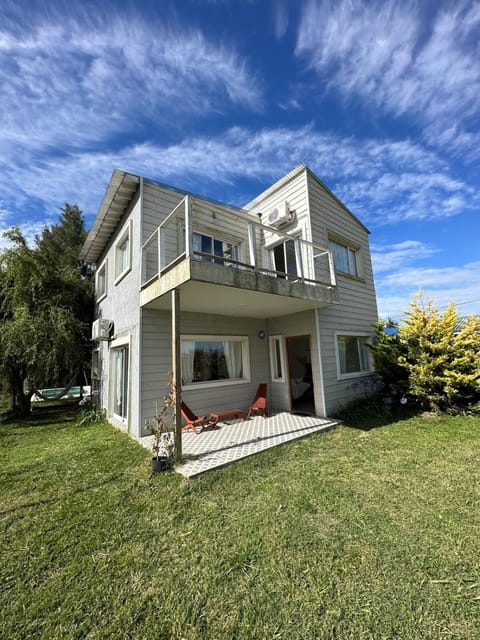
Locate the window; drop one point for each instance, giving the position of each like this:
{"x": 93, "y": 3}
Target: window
{"x": 120, "y": 383}
{"x": 204, "y": 244}
{"x": 277, "y": 364}
{"x": 285, "y": 259}
{"x": 344, "y": 258}
{"x": 123, "y": 255}
{"x": 214, "y": 359}
{"x": 353, "y": 355}
{"x": 102, "y": 281}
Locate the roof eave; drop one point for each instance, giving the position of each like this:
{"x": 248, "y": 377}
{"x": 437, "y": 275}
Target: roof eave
{"x": 119, "y": 193}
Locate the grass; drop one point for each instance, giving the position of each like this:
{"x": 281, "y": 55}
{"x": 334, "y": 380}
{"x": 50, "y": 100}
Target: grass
{"x": 351, "y": 534}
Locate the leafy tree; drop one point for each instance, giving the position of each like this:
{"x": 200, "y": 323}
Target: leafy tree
{"x": 462, "y": 378}
{"x": 46, "y": 307}
{"x": 386, "y": 351}
{"x": 442, "y": 360}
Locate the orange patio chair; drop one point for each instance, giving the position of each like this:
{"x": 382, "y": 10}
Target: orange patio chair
{"x": 193, "y": 422}
{"x": 259, "y": 404}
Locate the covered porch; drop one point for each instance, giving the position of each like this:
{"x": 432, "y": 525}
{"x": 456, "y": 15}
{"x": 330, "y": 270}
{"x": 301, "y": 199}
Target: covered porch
{"x": 239, "y": 439}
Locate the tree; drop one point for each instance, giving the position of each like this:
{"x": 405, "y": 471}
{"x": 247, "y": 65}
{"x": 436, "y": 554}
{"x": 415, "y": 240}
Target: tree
{"x": 442, "y": 359}
{"x": 462, "y": 377}
{"x": 386, "y": 351}
{"x": 46, "y": 308}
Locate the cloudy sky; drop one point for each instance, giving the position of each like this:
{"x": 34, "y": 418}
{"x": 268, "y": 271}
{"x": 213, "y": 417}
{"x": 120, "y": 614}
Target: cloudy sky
{"x": 222, "y": 97}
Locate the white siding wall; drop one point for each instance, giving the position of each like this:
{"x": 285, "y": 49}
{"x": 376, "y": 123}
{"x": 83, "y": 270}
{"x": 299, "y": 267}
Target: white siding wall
{"x": 121, "y": 305}
{"x": 295, "y": 193}
{"x": 160, "y": 201}
{"x": 356, "y": 309}
{"x": 157, "y": 358}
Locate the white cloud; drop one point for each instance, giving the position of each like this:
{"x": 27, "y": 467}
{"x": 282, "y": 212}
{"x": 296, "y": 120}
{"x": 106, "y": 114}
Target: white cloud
{"x": 80, "y": 80}
{"x": 460, "y": 284}
{"x": 280, "y": 18}
{"x": 396, "y": 256}
{"x": 381, "y": 182}
{"x": 400, "y": 58}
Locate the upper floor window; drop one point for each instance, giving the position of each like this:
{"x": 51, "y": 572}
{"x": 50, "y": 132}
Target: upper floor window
{"x": 285, "y": 258}
{"x": 123, "y": 254}
{"x": 101, "y": 284}
{"x": 344, "y": 257}
{"x": 212, "y": 249}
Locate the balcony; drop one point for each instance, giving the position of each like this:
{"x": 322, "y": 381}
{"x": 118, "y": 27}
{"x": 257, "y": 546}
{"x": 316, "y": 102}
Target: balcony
{"x": 225, "y": 261}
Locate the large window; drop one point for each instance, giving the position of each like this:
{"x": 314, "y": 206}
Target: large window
{"x": 353, "y": 355}
{"x": 205, "y": 247}
{"x": 214, "y": 359}
{"x": 284, "y": 258}
{"x": 344, "y": 257}
{"x": 120, "y": 382}
{"x": 123, "y": 252}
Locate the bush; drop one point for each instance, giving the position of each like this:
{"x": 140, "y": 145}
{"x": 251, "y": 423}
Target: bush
{"x": 91, "y": 415}
{"x": 376, "y": 403}
{"x": 442, "y": 356}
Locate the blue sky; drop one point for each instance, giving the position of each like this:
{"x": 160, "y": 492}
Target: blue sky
{"x": 380, "y": 99}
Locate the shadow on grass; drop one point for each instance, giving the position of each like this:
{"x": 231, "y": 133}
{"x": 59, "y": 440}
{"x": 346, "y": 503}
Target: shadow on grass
{"x": 365, "y": 418}
{"x": 51, "y": 413}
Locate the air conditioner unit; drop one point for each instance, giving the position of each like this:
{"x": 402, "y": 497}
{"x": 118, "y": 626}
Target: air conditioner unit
{"x": 101, "y": 329}
{"x": 280, "y": 215}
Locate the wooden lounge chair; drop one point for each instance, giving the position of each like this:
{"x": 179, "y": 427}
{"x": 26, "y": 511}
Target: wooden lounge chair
{"x": 259, "y": 404}
{"x": 193, "y": 422}
{"x": 216, "y": 417}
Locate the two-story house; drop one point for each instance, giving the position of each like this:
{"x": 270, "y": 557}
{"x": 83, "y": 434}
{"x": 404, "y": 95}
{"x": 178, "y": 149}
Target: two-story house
{"x": 279, "y": 291}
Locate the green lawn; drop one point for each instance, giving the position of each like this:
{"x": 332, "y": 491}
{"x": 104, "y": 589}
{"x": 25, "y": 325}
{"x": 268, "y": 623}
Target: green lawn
{"x": 347, "y": 534}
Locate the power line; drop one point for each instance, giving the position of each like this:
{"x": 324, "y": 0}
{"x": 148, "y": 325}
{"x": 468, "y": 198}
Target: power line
{"x": 467, "y": 302}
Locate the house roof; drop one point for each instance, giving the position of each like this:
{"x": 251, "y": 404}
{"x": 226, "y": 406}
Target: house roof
{"x": 253, "y": 204}
{"x": 120, "y": 190}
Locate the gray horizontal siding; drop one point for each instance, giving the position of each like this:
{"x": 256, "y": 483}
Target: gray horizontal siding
{"x": 156, "y": 361}
{"x": 355, "y": 310}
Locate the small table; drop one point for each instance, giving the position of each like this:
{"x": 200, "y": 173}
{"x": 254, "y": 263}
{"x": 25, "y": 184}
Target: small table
{"x": 215, "y": 418}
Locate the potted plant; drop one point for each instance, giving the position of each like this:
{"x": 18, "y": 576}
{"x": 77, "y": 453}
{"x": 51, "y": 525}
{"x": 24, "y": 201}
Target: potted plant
{"x": 163, "y": 444}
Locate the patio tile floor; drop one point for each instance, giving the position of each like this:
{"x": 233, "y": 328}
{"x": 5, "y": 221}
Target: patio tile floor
{"x": 238, "y": 439}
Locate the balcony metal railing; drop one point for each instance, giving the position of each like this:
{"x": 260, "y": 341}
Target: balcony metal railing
{"x": 313, "y": 263}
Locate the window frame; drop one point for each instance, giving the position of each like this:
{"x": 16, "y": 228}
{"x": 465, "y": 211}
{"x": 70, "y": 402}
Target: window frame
{"x": 352, "y": 249}
{"x": 119, "y": 345}
{"x": 103, "y": 268}
{"x": 218, "y": 259}
{"x": 245, "y": 340}
{"x": 126, "y": 236}
{"x": 297, "y": 251}
{"x": 367, "y": 339}
{"x": 277, "y": 357}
